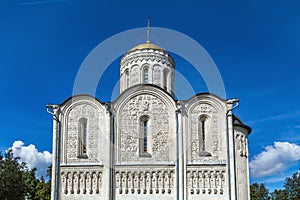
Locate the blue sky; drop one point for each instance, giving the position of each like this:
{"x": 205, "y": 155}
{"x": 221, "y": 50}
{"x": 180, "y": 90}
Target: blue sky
{"x": 255, "y": 45}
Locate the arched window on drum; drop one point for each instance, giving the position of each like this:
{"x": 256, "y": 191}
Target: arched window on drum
{"x": 126, "y": 79}
{"x": 146, "y": 75}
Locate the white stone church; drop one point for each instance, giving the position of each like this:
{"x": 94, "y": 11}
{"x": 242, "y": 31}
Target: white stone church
{"x": 146, "y": 144}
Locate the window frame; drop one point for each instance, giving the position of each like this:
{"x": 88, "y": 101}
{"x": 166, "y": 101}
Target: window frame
{"x": 144, "y": 136}
{"x": 145, "y": 75}
{"x": 202, "y": 133}
{"x": 82, "y": 137}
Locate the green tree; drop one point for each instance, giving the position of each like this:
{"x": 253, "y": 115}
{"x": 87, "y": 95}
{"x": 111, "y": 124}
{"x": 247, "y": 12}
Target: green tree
{"x": 12, "y": 185}
{"x": 18, "y": 182}
{"x": 279, "y": 195}
{"x": 259, "y": 192}
{"x": 292, "y": 186}
{"x": 31, "y": 183}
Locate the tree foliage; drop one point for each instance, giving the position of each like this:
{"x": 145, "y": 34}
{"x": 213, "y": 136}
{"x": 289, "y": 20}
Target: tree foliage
{"x": 279, "y": 195}
{"x": 291, "y": 190}
{"x": 292, "y": 186}
{"x": 18, "y": 182}
{"x": 259, "y": 192}
{"x": 11, "y": 177}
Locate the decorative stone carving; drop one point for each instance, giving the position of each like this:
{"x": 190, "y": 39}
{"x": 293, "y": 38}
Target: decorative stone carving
{"x": 94, "y": 117}
{"x": 205, "y": 181}
{"x": 129, "y": 59}
{"x": 158, "y": 114}
{"x": 141, "y": 181}
{"x": 211, "y": 132}
{"x": 146, "y": 106}
{"x": 241, "y": 143}
{"x": 204, "y": 109}
{"x": 77, "y": 181}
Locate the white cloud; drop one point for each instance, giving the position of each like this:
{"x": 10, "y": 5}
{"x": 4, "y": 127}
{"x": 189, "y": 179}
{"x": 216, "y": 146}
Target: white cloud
{"x": 274, "y": 159}
{"x": 32, "y": 157}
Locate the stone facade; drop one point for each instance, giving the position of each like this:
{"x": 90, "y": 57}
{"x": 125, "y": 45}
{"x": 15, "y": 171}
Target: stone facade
{"x": 146, "y": 144}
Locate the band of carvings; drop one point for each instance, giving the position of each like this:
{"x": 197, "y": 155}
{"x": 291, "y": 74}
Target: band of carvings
{"x": 209, "y": 182}
{"x": 154, "y": 181}
{"x": 146, "y": 56}
{"x": 81, "y": 182}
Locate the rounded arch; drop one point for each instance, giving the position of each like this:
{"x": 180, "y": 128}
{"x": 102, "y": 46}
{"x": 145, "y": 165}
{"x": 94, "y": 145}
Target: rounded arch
{"x": 203, "y": 117}
{"x": 134, "y": 74}
{"x": 148, "y": 89}
{"x": 79, "y": 99}
{"x": 206, "y": 98}
{"x": 145, "y": 72}
{"x": 138, "y": 108}
{"x": 78, "y": 115}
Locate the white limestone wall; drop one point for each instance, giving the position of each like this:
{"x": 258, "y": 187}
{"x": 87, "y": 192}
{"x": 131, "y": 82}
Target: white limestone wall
{"x": 154, "y": 175}
{"x": 207, "y": 174}
{"x": 215, "y": 129}
{"x": 160, "y": 109}
{"x": 84, "y": 177}
{"x": 242, "y": 168}
{"x": 174, "y": 168}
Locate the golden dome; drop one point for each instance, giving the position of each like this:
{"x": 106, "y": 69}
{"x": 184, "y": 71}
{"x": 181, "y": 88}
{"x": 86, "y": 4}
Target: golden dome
{"x": 146, "y": 45}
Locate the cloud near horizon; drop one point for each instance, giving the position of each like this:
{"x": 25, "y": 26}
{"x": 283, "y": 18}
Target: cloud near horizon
{"x": 274, "y": 159}
{"x": 32, "y": 157}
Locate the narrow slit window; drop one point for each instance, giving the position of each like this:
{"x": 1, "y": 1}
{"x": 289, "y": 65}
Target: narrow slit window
{"x": 202, "y": 131}
{"x": 202, "y": 121}
{"x": 144, "y": 134}
{"x": 165, "y": 79}
{"x": 82, "y": 137}
{"x": 146, "y": 75}
{"x": 127, "y": 78}
{"x": 145, "y": 127}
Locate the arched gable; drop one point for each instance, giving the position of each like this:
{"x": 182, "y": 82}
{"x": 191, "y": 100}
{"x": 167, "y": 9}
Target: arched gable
{"x": 210, "y": 132}
{"x": 81, "y": 141}
{"x": 133, "y": 105}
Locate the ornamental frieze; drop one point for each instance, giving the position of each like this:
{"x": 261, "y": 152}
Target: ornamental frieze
{"x": 146, "y": 57}
{"x": 76, "y": 181}
{"x": 201, "y": 181}
{"x": 141, "y": 181}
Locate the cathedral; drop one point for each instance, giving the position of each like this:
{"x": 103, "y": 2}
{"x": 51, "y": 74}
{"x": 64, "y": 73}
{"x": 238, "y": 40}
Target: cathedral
{"x": 146, "y": 144}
